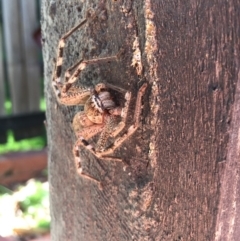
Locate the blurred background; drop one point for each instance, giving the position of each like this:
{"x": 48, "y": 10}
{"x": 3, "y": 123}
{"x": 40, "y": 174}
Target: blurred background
{"x": 24, "y": 204}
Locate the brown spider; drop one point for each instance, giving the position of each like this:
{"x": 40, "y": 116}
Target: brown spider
{"x": 100, "y": 111}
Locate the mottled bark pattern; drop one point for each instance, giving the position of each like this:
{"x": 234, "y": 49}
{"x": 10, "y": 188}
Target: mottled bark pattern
{"x": 171, "y": 188}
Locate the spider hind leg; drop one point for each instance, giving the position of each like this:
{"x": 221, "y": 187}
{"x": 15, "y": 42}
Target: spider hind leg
{"x": 78, "y": 162}
{"x": 84, "y": 130}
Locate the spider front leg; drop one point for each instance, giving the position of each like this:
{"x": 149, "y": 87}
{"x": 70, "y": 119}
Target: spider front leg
{"x": 65, "y": 92}
{"x": 58, "y": 86}
{"x": 123, "y": 113}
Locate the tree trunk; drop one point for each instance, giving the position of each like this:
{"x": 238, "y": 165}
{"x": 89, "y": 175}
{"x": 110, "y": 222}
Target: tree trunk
{"x": 182, "y": 178}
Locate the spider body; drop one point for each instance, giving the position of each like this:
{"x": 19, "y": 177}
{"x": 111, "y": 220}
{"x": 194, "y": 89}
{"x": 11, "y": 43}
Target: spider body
{"x": 101, "y": 115}
{"x": 100, "y": 111}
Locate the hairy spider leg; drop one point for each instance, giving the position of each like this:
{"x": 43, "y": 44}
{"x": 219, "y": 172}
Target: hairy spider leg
{"x": 61, "y": 45}
{"x": 108, "y": 127}
{"x": 81, "y": 66}
{"x": 124, "y": 112}
{"x": 68, "y": 73}
{"x": 84, "y": 129}
{"x": 76, "y": 95}
{"x": 120, "y": 111}
{"x": 138, "y": 105}
{"x": 76, "y": 153}
{"x": 83, "y": 135}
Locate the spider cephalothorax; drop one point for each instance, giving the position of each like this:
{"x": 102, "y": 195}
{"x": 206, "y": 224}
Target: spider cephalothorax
{"x": 100, "y": 110}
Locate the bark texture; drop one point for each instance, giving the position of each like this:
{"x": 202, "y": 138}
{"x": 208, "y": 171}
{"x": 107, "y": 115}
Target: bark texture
{"x": 188, "y": 142}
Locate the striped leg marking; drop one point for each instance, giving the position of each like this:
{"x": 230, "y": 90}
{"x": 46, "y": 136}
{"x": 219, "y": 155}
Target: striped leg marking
{"x": 56, "y": 81}
{"x": 78, "y": 162}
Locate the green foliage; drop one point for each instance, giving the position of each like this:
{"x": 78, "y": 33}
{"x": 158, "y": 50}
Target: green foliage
{"x": 31, "y": 203}
{"x": 8, "y": 107}
{"x": 34, "y": 198}
{"x": 44, "y": 224}
{"x": 35, "y": 203}
{"x": 42, "y": 104}
{"x": 4, "y": 190}
{"x": 36, "y": 143}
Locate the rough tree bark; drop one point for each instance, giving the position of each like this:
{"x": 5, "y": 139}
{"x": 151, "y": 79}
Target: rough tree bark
{"x": 182, "y": 179}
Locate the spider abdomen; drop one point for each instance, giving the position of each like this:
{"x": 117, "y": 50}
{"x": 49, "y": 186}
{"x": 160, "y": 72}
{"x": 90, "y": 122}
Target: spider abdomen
{"x": 103, "y": 101}
{"x": 106, "y": 100}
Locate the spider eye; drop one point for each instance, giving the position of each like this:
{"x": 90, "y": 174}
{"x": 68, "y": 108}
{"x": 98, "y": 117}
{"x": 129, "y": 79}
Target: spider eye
{"x": 100, "y": 87}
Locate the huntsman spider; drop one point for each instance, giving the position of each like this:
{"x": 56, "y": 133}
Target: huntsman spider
{"x": 100, "y": 112}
